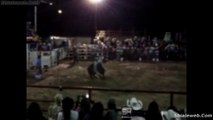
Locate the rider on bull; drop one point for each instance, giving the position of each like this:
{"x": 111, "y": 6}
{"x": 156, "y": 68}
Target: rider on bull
{"x": 97, "y": 60}
{"x": 95, "y": 63}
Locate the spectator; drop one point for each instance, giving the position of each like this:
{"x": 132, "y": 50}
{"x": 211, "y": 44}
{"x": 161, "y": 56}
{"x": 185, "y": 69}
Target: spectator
{"x": 153, "y": 112}
{"x": 162, "y": 52}
{"x": 75, "y": 55}
{"x": 38, "y": 68}
{"x": 96, "y": 112}
{"x": 156, "y": 54}
{"x": 136, "y": 105}
{"x": 34, "y": 112}
{"x": 67, "y": 110}
{"x": 58, "y": 56}
{"x": 112, "y": 111}
{"x": 84, "y": 109}
{"x": 77, "y": 103}
{"x": 55, "y": 108}
{"x": 171, "y": 50}
{"x": 151, "y": 53}
{"x": 39, "y": 45}
{"x": 140, "y": 54}
{"x": 146, "y": 53}
{"x": 32, "y": 45}
{"x": 49, "y": 44}
{"x": 44, "y": 47}
{"x": 170, "y": 114}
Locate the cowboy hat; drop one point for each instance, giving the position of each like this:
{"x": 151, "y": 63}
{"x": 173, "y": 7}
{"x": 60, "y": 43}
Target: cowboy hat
{"x": 170, "y": 115}
{"x": 134, "y": 104}
{"x": 58, "y": 98}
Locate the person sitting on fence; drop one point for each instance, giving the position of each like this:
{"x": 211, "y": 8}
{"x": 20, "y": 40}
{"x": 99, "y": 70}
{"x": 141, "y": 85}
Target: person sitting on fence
{"x": 55, "y": 108}
{"x": 34, "y": 112}
{"x": 67, "y": 110}
{"x": 112, "y": 110}
{"x": 136, "y": 105}
{"x": 153, "y": 112}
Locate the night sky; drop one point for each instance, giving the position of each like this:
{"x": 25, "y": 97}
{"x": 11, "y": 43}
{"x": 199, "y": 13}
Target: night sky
{"x": 153, "y": 16}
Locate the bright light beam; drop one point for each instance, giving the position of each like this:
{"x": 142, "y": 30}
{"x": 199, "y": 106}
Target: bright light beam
{"x": 95, "y": 1}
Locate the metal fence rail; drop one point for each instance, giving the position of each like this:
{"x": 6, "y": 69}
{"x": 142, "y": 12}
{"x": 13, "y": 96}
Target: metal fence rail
{"x": 90, "y": 89}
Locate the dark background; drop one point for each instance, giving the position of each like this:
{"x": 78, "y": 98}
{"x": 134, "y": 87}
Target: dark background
{"x": 155, "y": 17}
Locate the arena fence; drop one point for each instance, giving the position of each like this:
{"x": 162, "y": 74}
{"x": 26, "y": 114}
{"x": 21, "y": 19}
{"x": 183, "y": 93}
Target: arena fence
{"x": 90, "y": 89}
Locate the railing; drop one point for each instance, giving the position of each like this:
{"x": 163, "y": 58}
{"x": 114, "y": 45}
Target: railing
{"x": 90, "y": 89}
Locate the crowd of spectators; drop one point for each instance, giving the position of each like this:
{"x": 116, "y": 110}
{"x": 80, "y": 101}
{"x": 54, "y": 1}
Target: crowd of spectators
{"x": 128, "y": 49}
{"x": 141, "y": 48}
{"x": 65, "y": 108}
{"x": 45, "y": 46}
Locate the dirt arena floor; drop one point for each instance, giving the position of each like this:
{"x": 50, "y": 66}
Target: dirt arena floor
{"x": 167, "y": 76}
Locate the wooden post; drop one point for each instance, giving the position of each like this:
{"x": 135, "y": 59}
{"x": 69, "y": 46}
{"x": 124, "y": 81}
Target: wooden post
{"x": 171, "y": 99}
{"x": 90, "y": 94}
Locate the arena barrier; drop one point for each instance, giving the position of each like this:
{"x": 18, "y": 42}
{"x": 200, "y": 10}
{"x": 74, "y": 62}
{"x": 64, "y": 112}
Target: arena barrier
{"x": 90, "y": 89}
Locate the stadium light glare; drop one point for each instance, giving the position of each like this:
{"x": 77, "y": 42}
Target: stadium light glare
{"x": 87, "y": 96}
{"x": 95, "y": 1}
{"x": 59, "y": 11}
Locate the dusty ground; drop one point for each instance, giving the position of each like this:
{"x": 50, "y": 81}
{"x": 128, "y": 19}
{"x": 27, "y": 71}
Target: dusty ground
{"x": 122, "y": 75}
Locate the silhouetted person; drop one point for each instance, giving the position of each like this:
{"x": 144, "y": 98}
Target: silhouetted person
{"x": 75, "y": 55}
{"x": 153, "y": 112}
{"x": 38, "y": 67}
{"x": 58, "y": 56}
{"x": 84, "y": 109}
{"x": 34, "y": 112}
{"x": 67, "y": 110}
{"x": 96, "y": 112}
{"x": 77, "y": 103}
{"x": 112, "y": 110}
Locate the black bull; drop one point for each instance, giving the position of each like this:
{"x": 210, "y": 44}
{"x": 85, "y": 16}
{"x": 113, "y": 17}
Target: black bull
{"x": 100, "y": 70}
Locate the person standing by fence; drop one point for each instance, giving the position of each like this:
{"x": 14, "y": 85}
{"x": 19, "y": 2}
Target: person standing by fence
{"x": 34, "y": 112}
{"x": 75, "y": 55}
{"x": 58, "y": 56}
{"x": 38, "y": 67}
{"x": 56, "y": 107}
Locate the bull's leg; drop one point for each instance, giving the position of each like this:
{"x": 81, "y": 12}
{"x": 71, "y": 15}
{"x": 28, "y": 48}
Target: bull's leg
{"x": 91, "y": 76}
{"x": 96, "y": 75}
{"x": 103, "y": 76}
